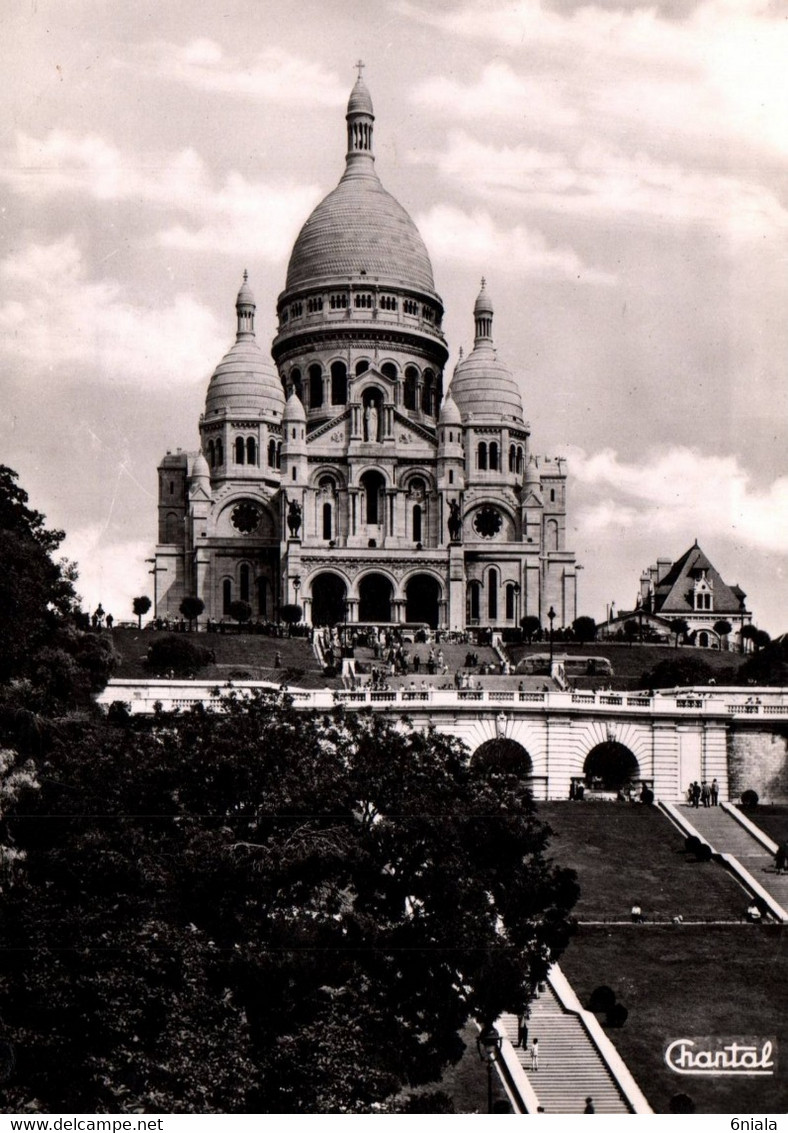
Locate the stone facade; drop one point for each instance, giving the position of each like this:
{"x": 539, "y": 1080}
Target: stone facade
{"x": 344, "y": 480}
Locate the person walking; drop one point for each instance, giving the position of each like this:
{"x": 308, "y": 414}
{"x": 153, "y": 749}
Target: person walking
{"x": 535, "y": 1054}
{"x": 715, "y": 792}
{"x": 589, "y": 1106}
{"x": 705, "y": 794}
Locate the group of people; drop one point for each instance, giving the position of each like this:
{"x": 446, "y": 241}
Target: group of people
{"x": 706, "y": 793}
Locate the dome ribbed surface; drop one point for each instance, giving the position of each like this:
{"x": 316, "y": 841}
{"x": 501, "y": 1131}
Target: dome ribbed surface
{"x": 244, "y": 382}
{"x": 359, "y": 227}
{"x": 294, "y": 409}
{"x": 484, "y": 387}
{"x": 449, "y": 414}
{"x": 360, "y": 101}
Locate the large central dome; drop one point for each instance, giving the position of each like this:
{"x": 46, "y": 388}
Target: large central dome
{"x": 360, "y": 229}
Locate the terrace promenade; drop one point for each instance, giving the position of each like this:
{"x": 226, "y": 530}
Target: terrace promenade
{"x": 671, "y": 737}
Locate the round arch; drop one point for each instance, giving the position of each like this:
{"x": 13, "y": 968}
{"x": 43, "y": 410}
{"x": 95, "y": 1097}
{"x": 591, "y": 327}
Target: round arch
{"x": 329, "y": 592}
{"x": 611, "y": 764}
{"x": 375, "y": 593}
{"x": 504, "y": 757}
{"x": 422, "y": 599}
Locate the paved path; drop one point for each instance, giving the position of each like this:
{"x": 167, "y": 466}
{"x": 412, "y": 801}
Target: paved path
{"x": 727, "y": 836}
{"x": 570, "y": 1066}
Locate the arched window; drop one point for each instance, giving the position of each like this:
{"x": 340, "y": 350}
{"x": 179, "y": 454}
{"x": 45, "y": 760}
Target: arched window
{"x": 243, "y": 578}
{"x": 427, "y": 392}
{"x": 474, "y": 601}
{"x": 493, "y": 456}
{"x": 279, "y": 455}
{"x": 512, "y": 458}
{"x": 251, "y": 450}
{"x": 361, "y": 367}
{"x": 417, "y": 523}
{"x": 510, "y": 601}
{"x": 239, "y": 450}
{"x": 552, "y": 495}
{"x": 227, "y": 596}
{"x": 519, "y": 468}
{"x": 492, "y": 595}
{"x": 338, "y": 383}
{"x": 481, "y": 457}
{"x": 551, "y": 535}
{"x": 315, "y": 387}
{"x": 327, "y": 524}
{"x": 373, "y": 485}
{"x": 389, "y": 370}
{"x": 411, "y": 378}
{"x": 219, "y": 451}
{"x": 272, "y": 453}
{"x": 211, "y": 454}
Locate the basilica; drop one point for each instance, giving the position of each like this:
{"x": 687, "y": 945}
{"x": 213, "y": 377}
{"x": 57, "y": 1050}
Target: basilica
{"x": 344, "y": 478}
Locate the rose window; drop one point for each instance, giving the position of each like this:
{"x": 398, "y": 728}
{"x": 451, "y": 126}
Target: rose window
{"x": 487, "y": 522}
{"x": 246, "y": 517}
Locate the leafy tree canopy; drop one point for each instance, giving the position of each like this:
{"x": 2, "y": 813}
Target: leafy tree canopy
{"x": 220, "y": 900}
{"x": 584, "y": 628}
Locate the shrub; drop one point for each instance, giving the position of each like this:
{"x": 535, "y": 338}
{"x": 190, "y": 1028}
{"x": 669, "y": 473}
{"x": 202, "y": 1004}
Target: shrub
{"x": 603, "y": 998}
{"x": 647, "y": 796}
{"x": 704, "y": 852}
{"x": 692, "y": 844}
{"x": 682, "y": 1103}
{"x": 749, "y": 798}
{"x": 617, "y": 1015}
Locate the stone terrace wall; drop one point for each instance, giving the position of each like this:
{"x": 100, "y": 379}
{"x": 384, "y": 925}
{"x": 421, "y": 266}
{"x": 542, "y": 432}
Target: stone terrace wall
{"x": 758, "y": 761}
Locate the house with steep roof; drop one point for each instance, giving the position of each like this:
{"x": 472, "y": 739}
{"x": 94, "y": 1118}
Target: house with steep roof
{"x": 691, "y": 589}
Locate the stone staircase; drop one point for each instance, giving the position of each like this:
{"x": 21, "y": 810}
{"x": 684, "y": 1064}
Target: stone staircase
{"x": 570, "y": 1065}
{"x": 727, "y": 836}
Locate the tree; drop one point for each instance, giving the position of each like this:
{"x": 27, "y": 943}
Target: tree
{"x": 631, "y": 630}
{"x": 530, "y": 626}
{"x": 177, "y": 654}
{"x": 191, "y": 608}
{"x": 141, "y": 606}
{"x": 291, "y": 614}
{"x": 240, "y": 610}
{"x": 722, "y": 628}
{"x": 680, "y": 628}
{"x": 37, "y": 596}
{"x": 748, "y": 633}
{"x": 584, "y": 628}
{"x": 685, "y": 669}
{"x": 297, "y": 891}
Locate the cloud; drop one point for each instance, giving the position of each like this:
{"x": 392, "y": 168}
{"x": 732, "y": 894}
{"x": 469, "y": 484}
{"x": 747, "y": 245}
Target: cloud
{"x": 57, "y": 319}
{"x": 500, "y": 93}
{"x": 474, "y": 238}
{"x": 597, "y": 181}
{"x": 679, "y": 493}
{"x": 271, "y": 75}
{"x": 234, "y": 216}
{"x": 718, "y": 74}
{"x": 112, "y": 570}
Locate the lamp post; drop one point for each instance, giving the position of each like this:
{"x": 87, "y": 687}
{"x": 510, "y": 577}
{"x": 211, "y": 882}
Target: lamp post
{"x": 296, "y": 586}
{"x": 516, "y": 589}
{"x": 488, "y": 1045}
{"x": 551, "y": 617}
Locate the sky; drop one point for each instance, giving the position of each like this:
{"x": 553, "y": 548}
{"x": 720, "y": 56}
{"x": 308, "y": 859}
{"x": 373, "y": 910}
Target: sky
{"x": 616, "y": 171}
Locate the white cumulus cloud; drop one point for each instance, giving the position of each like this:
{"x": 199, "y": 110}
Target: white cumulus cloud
{"x": 57, "y": 318}
{"x": 475, "y": 238}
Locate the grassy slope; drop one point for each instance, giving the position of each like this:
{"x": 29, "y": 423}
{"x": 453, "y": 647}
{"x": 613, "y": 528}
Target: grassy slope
{"x": 690, "y": 981}
{"x": 624, "y": 852}
{"x": 629, "y": 662}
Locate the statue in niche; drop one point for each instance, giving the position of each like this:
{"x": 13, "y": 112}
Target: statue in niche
{"x": 371, "y": 422}
{"x": 455, "y": 522}
{"x": 294, "y": 518}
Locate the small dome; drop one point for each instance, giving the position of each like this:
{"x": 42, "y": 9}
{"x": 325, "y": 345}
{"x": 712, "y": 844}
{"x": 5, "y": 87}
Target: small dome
{"x": 244, "y": 382}
{"x": 294, "y": 410}
{"x": 484, "y": 387}
{"x": 200, "y": 469}
{"x": 449, "y": 414}
{"x": 532, "y": 477}
{"x": 360, "y": 101}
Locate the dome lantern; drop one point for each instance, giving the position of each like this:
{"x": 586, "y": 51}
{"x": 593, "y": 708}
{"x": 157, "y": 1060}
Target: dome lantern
{"x": 483, "y": 315}
{"x": 245, "y": 307}
{"x": 360, "y": 118}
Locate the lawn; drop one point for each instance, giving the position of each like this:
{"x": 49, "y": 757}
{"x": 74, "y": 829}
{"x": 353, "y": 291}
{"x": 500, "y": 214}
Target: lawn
{"x": 773, "y": 820}
{"x": 254, "y": 654}
{"x": 687, "y": 982}
{"x": 625, "y": 852}
{"x": 629, "y": 662}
